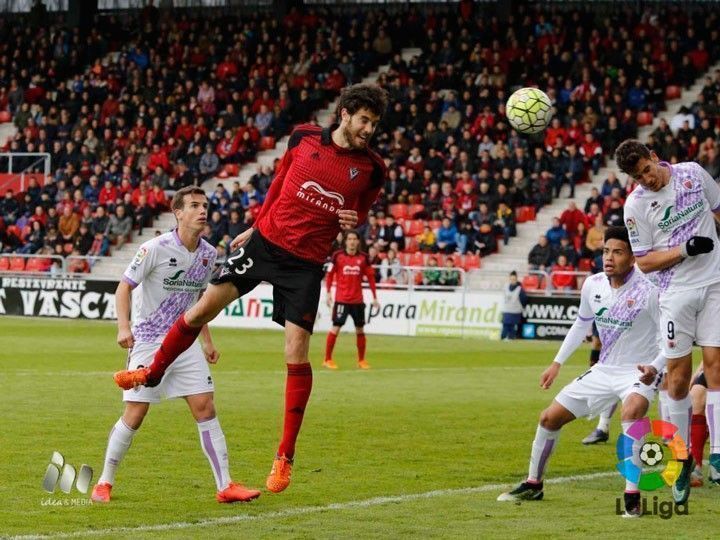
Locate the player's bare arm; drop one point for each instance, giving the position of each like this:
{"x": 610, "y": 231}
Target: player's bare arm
{"x": 241, "y": 239}
{"x": 211, "y": 353}
{"x": 123, "y": 295}
{"x": 659, "y": 260}
{"x": 549, "y": 375}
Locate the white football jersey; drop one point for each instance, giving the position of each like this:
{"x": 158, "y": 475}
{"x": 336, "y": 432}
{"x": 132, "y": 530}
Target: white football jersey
{"x": 626, "y": 318}
{"x": 168, "y": 280}
{"x": 664, "y": 219}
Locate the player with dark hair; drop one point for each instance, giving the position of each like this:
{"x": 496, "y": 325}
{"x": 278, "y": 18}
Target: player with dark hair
{"x": 671, "y": 223}
{"x": 326, "y": 182}
{"x": 349, "y": 265}
{"x": 624, "y": 305}
{"x": 167, "y": 274}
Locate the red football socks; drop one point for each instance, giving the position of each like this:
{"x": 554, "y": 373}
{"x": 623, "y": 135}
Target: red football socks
{"x": 361, "y": 343}
{"x": 178, "y": 340}
{"x": 297, "y": 392}
{"x": 698, "y": 436}
{"x": 330, "y": 345}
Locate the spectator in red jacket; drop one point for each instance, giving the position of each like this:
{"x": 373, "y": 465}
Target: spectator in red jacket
{"x": 108, "y": 193}
{"x": 562, "y": 281}
{"x": 570, "y": 219}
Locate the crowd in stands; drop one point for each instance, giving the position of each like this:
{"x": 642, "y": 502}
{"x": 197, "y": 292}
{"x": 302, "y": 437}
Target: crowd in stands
{"x": 151, "y": 104}
{"x": 185, "y": 98}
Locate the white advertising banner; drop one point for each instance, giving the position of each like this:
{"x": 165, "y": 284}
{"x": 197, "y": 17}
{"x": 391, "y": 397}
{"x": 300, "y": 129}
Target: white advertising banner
{"x": 452, "y": 313}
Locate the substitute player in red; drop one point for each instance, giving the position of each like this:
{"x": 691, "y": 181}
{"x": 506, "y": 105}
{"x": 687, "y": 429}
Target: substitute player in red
{"x": 349, "y": 265}
{"x": 326, "y": 182}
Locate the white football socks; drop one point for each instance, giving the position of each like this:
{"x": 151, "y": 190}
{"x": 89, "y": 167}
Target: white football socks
{"x": 542, "y": 448}
{"x": 680, "y": 412}
{"x": 712, "y": 413}
{"x": 119, "y": 441}
{"x": 212, "y": 440}
{"x": 636, "y": 446}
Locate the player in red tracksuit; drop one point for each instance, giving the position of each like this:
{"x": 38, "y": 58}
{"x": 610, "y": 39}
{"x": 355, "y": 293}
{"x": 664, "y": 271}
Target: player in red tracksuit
{"x": 326, "y": 182}
{"x": 348, "y": 268}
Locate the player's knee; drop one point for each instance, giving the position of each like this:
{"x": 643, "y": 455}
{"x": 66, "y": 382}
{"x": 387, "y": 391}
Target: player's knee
{"x": 549, "y": 421}
{"x": 135, "y": 414}
{"x": 634, "y": 409}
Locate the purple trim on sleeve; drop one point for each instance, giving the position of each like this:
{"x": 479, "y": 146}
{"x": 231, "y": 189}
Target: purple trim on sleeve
{"x": 585, "y": 318}
{"x": 641, "y": 253}
{"x": 716, "y": 208}
{"x": 129, "y": 281}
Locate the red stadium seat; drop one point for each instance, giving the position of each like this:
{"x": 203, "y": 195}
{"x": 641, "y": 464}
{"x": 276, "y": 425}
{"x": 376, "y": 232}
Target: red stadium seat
{"x": 405, "y": 258}
{"x": 435, "y": 224}
{"x": 17, "y": 264}
{"x": 4, "y": 263}
{"x": 673, "y": 92}
{"x": 585, "y": 265}
{"x": 267, "y": 143}
{"x": 413, "y": 227}
{"x": 525, "y": 213}
{"x": 644, "y": 118}
{"x": 457, "y": 260}
{"x": 418, "y": 259}
{"x": 5, "y": 117}
{"x": 38, "y": 264}
{"x": 230, "y": 169}
{"x": 411, "y": 245}
{"x": 399, "y": 211}
{"x": 471, "y": 261}
{"x": 531, "y": 283}
{"x": 415, "y": 209}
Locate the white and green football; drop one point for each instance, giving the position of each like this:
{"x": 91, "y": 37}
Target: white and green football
{"x": 529, "y": 110}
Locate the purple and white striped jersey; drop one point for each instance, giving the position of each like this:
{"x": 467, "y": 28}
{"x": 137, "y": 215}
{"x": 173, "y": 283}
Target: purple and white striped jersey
{"x": 626, "y": 318}
{"x": 168, "y": 280}
{"x": 660, "y": 220}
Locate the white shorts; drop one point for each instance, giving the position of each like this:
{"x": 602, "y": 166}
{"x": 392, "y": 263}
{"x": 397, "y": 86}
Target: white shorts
{"x": 688, "y": 316}
{"x": 601, "y": 386}
{"x": 189, "y": 374}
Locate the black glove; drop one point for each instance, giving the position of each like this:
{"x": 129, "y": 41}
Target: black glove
{"x": 697, "y": 245}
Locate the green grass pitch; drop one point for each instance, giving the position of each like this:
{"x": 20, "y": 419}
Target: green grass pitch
{"x": 418, "y": 447}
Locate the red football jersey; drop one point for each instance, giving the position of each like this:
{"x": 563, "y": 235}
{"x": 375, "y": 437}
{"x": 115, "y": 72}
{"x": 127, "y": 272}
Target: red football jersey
{"x": 348, "y": 270}
{"x": 315, "y": 180}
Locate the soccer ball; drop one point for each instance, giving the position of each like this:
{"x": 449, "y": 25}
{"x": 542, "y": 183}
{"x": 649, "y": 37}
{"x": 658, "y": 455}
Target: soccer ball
{"x": 651, "y": 454}
{"x": 529, "y": 110}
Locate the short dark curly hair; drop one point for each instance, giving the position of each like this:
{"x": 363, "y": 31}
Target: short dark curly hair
{"x": 363, "y": 96}
{"x": 629, "y": 153}
{"x": 617, "y": 233}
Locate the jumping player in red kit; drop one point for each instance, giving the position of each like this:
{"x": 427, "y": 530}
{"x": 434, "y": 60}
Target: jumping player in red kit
{"x": 326, "y": 182}
{"x": 348, "y": 268}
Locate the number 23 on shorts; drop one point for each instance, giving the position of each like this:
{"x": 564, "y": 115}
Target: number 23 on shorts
{"x": 236, "y": 266}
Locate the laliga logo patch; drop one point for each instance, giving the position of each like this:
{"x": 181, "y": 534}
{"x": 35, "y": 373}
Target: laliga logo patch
{"x": 630, "y": 302}
{"x": 688, "y": 184}
{"x": 353, "y": 173}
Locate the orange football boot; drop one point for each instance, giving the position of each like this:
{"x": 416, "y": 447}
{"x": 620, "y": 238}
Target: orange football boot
{"x": 279, "y": 478}
{"x": 330, "y": 364}
{"x": 362, "y": 364}
{"x": 101, "y": 493}
{"x": 129, "y": 379}
{"x": 236, "y": 493}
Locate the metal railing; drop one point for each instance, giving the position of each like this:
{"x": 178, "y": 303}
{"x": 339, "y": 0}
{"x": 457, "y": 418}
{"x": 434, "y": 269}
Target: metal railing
{"x": 27, "y": 169}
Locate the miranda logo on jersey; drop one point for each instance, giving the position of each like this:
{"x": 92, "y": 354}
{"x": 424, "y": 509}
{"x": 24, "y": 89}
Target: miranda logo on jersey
{"x": 651, "y": 455}
{"x": 315, "y": 194}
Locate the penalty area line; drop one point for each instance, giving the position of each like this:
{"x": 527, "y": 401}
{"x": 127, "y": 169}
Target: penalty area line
{"x": 302, "y": 511}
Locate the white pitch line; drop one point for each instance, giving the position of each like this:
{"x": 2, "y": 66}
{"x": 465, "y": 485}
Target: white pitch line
{"x": 282, "y": 514}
